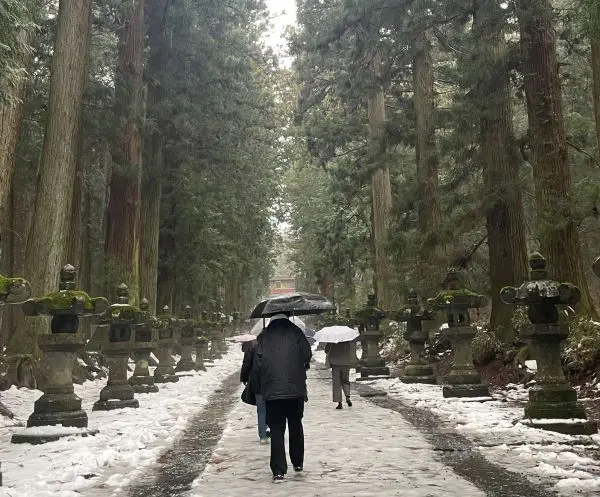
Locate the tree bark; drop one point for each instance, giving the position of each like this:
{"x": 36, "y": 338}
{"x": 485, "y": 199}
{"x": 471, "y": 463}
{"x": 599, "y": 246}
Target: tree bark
{"x": 595, "y": 41}
{"x": 426, "y": 148}
{"x": 499, "y": 156}
{"x": 559, "y": 239}
{"x": 156, "y": 14}
{"x": 47, "y": 242}
{"x": 11, "y": 110}
{"x": 381, "y": 189}
{"x": 122, "y": 245}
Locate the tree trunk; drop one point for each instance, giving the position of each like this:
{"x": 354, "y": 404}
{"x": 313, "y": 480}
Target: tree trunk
{"x": 499, "y": 156}
{"x": 558, "y": 234}
{"x": 152, "y": 188}
{"x": 426, "y": 149}
{"x": 47, "y": 242}
{"x": 11, "y": 110}
{"x": 122, "y": 245}
{"x": 595, "y": 41}
{"x": 381, "y": 190}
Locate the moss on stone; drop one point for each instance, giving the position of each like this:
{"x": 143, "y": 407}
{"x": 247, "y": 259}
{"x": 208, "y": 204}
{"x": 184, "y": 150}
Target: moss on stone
{"x": 64, "y": 299}
{"x": 7, "y": 283}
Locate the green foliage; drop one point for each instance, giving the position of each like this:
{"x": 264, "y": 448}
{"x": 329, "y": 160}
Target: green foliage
{"x": 581, "y": 351}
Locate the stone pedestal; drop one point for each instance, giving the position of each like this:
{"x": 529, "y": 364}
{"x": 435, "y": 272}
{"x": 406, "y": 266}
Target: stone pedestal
{"x": 144, "y": 344}
{"x": 187, "y": 341}
{"x": 371, "y": 363}
{"x": 165, "y": 371}
{"x": 552, "y": 398}
{"x": 215, "y": 349}
{"x": 117, "y": 393}
{"x": 59, "y": 405}
{"x": 463, "y": 379}
{"x": 201, "y": 350}
{"x": 417, "y": 370}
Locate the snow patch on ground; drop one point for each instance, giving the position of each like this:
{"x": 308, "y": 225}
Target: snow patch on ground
{"x": 129, "y": 440}
{"x": 570, "y": 463}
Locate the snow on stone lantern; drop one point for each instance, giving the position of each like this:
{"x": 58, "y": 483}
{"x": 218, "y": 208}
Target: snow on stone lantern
{"x": 552, "y": 401}
{"x": 167, "y": 337}
{"x": 463, "y": 379}
{"x": 121, "y": 317}
{"x": 59, "y": 405}
{"x": 187, "y": 341}
{"x": 144, "y": 342}
{"x": 370, "y": 317}
{"x": 416, "y": 318}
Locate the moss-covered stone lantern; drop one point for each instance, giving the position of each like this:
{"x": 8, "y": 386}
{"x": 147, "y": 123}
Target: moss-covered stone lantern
{"x": 463, "y": 379}
{"x": 121, "y": 318}
{"x": 552, "y": 401}
{"x": 416, "y": 318}
{"x": 187, "y": 341}
{"x": 167, "y": 337}
{"x": 144, "y": 342}
{"x": 370, "y": 317}
{"x": 59, "y": 405}
{"x": 14, "y": 290}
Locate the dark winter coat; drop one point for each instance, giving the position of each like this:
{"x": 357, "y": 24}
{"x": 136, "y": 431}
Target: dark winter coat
{"x": 247, "y": 373}
{"x": 282, "y": 357}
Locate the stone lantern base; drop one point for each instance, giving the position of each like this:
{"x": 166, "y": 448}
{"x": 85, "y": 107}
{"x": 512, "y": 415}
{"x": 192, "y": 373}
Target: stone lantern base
{"x": 554, "y": 407}
{"x": 199, "y": 362}
{"x": 463, "y": 381}
{"x": 142, "y": 381}
{"x": 118, "y": 393}
{"x": 419, "y": 373}
{"x": 371, "y": 364}
{"x": 59, "y": 405}
{"x": 186, "y": 363}
{"x": 165, "y": 371}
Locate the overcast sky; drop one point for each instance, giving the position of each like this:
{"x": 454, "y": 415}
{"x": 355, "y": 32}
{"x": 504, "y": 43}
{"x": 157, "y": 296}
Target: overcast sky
{"x": 283, "y": 13}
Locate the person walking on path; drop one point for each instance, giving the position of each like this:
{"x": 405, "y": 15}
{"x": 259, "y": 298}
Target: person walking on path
{"x": 247, "y": 376}
{"x": 342, "y": 357}
{"x": 282, "y": 356}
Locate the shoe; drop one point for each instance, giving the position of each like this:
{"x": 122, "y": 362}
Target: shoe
{"x": 340, "y": 406}
{"x": 278, "y": 478}
{"x": 268, "y": 434}
{"x": 264, "y": 441}
{"x": 298, "y": 469}
{"x": 348, "y": 401}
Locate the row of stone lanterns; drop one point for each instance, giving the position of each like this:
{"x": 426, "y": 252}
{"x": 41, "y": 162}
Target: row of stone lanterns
{"x": 131, "y": 331}
{"x": 552, "y": 403}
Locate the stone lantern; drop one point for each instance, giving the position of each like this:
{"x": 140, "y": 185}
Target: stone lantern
{"x": 143, "y": 344}
{"x": 122, "y": 317}
{"x": 14, "y": 290}
{"x": 415, "y": 317}
{"x": 371, "y": 363}
{"x": 167, "y": 337}
{"x": 59, "y": 405}
{"x": 205, "y": 328}
{"x": 463, "y": 379}
{"x": 187, "y": 341}
{"x": 552, "y": 401}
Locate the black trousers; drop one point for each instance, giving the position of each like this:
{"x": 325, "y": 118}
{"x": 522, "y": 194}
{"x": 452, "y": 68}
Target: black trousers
{"x": 278, "y": 413}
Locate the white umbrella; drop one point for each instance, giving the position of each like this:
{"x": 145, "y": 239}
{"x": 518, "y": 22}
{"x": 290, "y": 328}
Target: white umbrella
{"x": 258, "y": 326}
{"x": 336, "y": 334}
{"x": 244, "y": 338}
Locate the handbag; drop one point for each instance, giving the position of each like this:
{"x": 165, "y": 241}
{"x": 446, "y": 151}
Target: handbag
{"x": 248, "y": 395}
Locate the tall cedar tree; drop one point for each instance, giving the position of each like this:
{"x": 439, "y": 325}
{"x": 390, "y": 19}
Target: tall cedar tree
{"x": 500, "y": 159}
{"x": 558, "y": 234}
{"x": 156, "y": 14}
{"x": 380, "y": 187}
{"x": 47, "y": 242}
{"x": 122, "y": 246}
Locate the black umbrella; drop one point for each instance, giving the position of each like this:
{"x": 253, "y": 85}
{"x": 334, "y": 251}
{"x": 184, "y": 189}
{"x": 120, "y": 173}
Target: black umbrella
{"x": 298, "y": 304}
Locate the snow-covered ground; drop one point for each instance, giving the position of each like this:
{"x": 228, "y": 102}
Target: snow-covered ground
{"x": 128, "y": 440}
{"x": 363, "y": 451}
{"x": 571, "y": 463}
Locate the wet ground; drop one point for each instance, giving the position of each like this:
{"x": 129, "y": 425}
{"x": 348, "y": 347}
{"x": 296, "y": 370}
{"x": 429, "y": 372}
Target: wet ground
{"x": 178, "y": 467}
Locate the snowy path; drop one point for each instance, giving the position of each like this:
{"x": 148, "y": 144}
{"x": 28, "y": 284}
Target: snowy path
{"x": 363, "y": 451}
{"x": 129, "y": 441}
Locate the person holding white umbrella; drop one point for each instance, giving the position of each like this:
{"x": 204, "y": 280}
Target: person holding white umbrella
{"x": 341, "y": 353}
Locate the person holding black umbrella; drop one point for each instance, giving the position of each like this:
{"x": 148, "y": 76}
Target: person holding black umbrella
{"x": 281, "y": 359}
